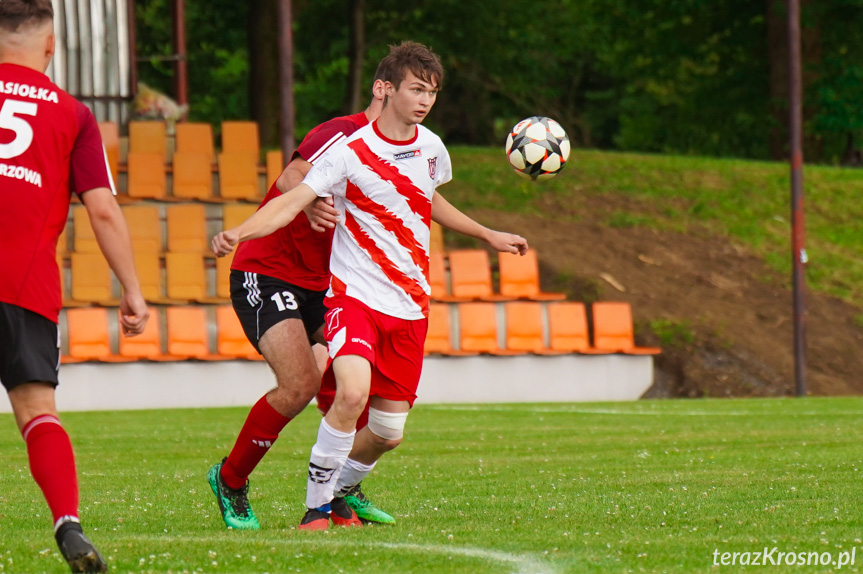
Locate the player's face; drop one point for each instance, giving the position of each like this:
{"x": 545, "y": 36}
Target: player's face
{"x": 413, "y": 100}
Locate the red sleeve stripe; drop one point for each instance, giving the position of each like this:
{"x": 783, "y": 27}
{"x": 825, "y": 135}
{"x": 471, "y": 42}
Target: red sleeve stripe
{"x": 330, "y": 143}
{"x": 393, "y": 273}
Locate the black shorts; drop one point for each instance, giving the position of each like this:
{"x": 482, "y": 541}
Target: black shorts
{"x": 29, "y": 347}
{"x": 261, "y": 302}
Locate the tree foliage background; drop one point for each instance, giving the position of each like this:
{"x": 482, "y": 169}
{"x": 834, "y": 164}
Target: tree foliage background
{"x": 690, "y": 76}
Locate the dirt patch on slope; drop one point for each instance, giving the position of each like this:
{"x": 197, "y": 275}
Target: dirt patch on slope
{"x": 733, "y": 313}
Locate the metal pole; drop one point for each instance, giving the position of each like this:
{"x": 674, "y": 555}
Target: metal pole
{"x": 286, "y": 81}
{"x": 133, "y": 52}
{"x": 180, "y": 51}
{"x": 798, "y": 235}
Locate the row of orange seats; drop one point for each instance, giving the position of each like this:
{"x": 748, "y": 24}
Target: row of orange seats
{"x": 470, "y": 277}
{"x": 189, "y": 276}
{"x": 186, "y": 332}
{"x": 89, "y": 336}
{"x": 174, "y": 266}
{"x": 477, "y": 329}
{"x": 193, "y": 162}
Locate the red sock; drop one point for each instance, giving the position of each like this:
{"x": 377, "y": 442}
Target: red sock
{"x": 52, "y": 464}
{"x": 260, "y": 431}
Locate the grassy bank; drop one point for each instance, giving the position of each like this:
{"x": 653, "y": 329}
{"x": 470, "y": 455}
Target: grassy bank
{"x": 743, "y": 201}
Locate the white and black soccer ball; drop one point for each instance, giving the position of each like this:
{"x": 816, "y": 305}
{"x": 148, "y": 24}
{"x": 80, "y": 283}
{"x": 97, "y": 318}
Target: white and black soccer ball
{"x": 537, "y": 148}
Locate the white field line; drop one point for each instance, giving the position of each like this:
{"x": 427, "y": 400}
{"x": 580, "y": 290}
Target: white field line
{"x": 520, "y": 563}
{"x": 588, "y": 411}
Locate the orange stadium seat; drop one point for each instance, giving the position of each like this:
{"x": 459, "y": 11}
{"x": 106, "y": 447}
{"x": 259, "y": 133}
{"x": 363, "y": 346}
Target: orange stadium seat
{"x": 439, "y": 337}
{"x": 231, "y": 339}
{"x": 193, "y": 137}
{"x": 275, "y": 166}
{"x": 470, "y": 275}
{"x": 436, "y": 242}
{"x": 234, "y": 214}
{"x": 64, "y": 283}
{"x": 612, "y": 330}
{"x": 149, "y": 273}
{"x": 148, "y": 137}
{"x": 148, "y": 264}
{"x": 187, "y": 228}
{"x": 241, "y": 136}
{"x": 146, "y": 176}
{"x": 145, "y": 228}
{"x": 91, "y": 279}
{"x": 63, "y": 242}
{"x": 223, "y": 276}
{"x": 89, "y": 336}
{"x": 147, "y": 345}
{"x": 437, "y": 276}
{"x": 192, "y": 176}
{"x": 524, "y": 329}
{"x": 519, "y": 277}
{"x": 238, "y": 177}
{"x": 83, "y": 236}
{"x": 188, "y": 334}
{"x": 478, "y": 329}
{"x": 567, "y": 328}
{"x": 111, "y": 140}
{"x": 186, "y": 277}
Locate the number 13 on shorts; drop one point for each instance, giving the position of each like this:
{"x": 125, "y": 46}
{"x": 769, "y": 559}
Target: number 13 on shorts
{"x": 285, "y": 300}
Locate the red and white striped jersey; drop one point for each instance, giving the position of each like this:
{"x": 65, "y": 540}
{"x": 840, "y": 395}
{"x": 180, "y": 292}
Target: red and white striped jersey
{"x": 295, "y": 253}
{"x": 384, "y": 190}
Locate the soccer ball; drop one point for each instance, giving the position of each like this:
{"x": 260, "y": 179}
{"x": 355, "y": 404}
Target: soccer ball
{"x": 537, "y": 148}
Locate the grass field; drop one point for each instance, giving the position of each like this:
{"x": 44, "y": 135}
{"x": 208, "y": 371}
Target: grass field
{"x": 651, "y": 486}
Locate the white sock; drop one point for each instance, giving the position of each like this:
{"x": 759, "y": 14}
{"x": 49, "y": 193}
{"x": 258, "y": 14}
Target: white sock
{"x": 351, "y": 475}
{"x": 328, "y": 457}
{"x": 64, "y": 519}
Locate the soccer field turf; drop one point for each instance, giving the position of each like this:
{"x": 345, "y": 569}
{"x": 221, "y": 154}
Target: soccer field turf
{"x": 655, "y": 486}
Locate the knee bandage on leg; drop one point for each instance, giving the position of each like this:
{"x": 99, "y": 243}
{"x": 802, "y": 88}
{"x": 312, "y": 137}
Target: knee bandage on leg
{"x": 389, "y": 426}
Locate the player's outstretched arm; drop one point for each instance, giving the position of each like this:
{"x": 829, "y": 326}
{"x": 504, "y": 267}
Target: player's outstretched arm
{"x": 274, "y": 215}
{"x": 446, "y": 214}
{"x": 112, "y": 235}
{"x": 321, "y": 213}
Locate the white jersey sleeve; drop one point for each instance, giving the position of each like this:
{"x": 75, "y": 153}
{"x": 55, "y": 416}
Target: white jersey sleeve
{"x": 444, "y": 172}
{"x": 327, "y": 176}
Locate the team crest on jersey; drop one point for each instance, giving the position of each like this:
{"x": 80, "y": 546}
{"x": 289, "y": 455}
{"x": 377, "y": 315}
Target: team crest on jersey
{"x": 432, "y": 167}
{"x": 408, "y": 154}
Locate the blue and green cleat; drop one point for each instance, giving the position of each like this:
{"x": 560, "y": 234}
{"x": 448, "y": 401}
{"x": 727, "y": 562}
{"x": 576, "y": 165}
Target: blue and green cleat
{"x": 234, "y": 503}
{"x": 364, "y": 508}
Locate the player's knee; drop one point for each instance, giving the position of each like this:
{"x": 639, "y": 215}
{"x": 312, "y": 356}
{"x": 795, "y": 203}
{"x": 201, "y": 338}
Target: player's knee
{"x": 387, "y": 428}
{"x": 351, "y": 401}
{"x": 385, "y": 444}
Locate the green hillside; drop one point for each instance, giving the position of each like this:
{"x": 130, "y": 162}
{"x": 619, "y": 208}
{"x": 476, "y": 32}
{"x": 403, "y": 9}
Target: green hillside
{"x": 747, "y": 201}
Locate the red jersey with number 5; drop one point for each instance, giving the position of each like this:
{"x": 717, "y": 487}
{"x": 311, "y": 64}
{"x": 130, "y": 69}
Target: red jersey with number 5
{"x": 49, "y": 147}
{"x": 295, "y": 253}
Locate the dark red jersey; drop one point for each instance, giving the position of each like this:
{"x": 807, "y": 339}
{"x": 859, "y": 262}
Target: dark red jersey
{"x": 295, "y": 253}
{"x": 49, "y": 147}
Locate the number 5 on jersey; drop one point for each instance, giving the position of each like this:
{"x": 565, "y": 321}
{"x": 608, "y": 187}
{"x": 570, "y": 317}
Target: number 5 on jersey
{"x": 23, "y": 130}
{"x": 285, "y": 300}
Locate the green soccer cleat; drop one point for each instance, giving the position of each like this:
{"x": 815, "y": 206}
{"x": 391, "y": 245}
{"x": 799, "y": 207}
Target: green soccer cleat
{"x": 365, "y": 509}
{"x": 234, "y": 503}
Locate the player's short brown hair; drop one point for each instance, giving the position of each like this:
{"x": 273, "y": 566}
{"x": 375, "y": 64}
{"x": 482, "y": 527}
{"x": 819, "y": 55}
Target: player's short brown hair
{"x": 415, "y": 57}
{"x": 14, "y": 13}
